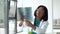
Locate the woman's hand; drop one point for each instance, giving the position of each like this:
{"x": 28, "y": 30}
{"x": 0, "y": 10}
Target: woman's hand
{"x": 28, "y": 23}
{"x": 21, "y": 22}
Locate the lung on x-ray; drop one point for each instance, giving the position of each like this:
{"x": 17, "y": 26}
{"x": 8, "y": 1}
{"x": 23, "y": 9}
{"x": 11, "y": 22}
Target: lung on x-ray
{"x": 25, "y": 13}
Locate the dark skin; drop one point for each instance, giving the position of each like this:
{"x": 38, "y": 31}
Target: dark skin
{"x": 38, "y": 16}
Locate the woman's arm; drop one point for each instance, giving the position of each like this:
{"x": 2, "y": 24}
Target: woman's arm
{"x": 42, "y": 29}
{"x": 30, "y": 24}
{"x": 33, "y": 27}
{"x": 37, "y": 29}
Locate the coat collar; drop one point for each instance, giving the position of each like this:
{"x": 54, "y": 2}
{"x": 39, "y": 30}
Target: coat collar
{"x": 41, "y": 22}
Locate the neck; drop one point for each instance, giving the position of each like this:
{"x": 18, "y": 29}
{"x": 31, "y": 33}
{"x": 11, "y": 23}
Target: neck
{"x": 38, "y": 19}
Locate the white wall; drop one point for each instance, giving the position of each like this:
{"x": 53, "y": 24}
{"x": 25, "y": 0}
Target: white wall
{"x": 56, "y": 9}
{"x": 34, "y": 4}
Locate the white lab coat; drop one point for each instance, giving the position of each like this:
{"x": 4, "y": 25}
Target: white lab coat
{"x": 39, "y": 30}
{"x": 42, "y": 27}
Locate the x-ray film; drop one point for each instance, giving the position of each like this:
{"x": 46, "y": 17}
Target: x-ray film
{"x": 25, "y": 13}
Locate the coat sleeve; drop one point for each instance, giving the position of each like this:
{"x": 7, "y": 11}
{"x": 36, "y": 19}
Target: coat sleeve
{"x": 42, "y": 30}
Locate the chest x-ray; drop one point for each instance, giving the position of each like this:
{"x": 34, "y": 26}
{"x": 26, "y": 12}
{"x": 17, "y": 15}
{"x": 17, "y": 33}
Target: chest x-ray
{"x": 25, "y": 13}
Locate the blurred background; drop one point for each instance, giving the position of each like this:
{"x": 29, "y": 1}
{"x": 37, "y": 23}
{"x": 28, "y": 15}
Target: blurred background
{"x": 2, "y": 29}
{"x": 56, "y": 17}
{"x": 28, "y": 7}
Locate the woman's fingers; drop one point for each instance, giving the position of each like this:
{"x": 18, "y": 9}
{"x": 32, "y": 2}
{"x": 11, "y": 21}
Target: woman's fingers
{"x": 26, "y": 22}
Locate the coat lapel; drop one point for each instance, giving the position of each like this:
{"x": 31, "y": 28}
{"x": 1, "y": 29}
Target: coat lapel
{"x": 41, "y": 23}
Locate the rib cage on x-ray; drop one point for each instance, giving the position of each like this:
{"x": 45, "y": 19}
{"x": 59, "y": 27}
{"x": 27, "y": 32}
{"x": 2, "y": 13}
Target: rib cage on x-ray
{"x": 25, "y": 12}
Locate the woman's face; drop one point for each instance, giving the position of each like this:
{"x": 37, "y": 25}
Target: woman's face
{"x": 40, "y": 12}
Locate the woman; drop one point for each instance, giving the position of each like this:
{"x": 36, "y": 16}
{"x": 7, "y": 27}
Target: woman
{"x": 40, "y": 22}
